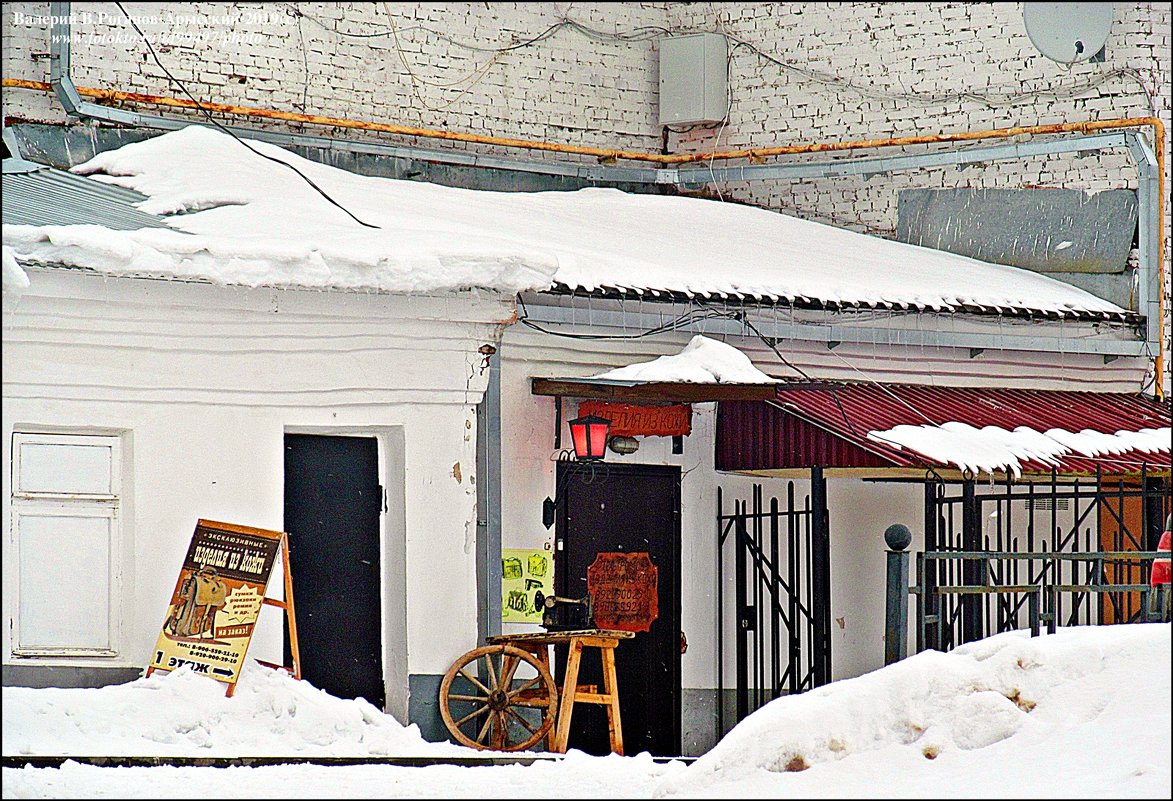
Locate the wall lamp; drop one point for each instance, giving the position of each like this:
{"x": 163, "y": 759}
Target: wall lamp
{"x": 589, "y": 435}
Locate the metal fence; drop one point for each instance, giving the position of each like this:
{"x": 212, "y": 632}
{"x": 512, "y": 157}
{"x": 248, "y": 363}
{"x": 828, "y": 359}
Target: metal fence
{"x": 1080, "y": 546}
{"x": 777, "y": 555}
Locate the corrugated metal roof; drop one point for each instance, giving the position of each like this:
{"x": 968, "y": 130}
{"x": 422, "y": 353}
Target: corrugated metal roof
{"x": 650, "y": 293}
{"x": 828, "y": 425}
{"x": 48, "y": 196}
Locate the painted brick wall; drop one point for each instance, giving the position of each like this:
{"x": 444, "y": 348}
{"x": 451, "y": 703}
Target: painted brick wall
{"x": 419, "y": 64}
{"x": 846, "y": 72}
{"x": 869, "y": 57}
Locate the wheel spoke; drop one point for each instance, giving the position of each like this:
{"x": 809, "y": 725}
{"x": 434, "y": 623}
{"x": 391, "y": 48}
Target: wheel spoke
{"x": 486, "y": 690}
{"x": 485, "y": 727}
{"x": 499, "y": 731}
{"x": 471, "y": 715}
{"x": 525, "y": 686}
{"x": 508, "y": 668}
{"x": 520, "y": 719}
{"x": 492, "y": 673}
{"x": 467, "y": 697}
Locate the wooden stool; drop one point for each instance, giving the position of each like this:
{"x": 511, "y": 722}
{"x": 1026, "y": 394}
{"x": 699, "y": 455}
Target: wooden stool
{"x": 571, "y": 691}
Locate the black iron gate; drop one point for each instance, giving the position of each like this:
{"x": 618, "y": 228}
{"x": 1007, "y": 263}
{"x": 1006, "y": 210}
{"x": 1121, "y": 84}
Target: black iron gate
{"x": 778, "y": 558}
{"x": 1068, "y": 541}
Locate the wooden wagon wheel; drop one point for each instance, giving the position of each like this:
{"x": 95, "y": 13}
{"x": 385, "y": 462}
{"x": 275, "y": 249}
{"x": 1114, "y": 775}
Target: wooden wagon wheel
{"x": 491, "y": 704}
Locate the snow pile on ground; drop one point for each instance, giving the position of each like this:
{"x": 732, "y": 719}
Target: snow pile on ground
{"x": 1078, "y": 714}
{"x": 184, "y": 714}
{"x": 993, "y": 448}
{"x": 577, "y": 775}
{"x": 256, "y": 222}
{"x": 1084, "y": 712}
{"x": 703, "y": 361}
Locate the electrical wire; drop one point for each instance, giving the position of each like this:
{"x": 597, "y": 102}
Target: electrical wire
{"x": 305, "y": 65}
{"x": 649, "y": 32}
{"x": 215, "y": 122}
{"x": 680, "y": 321}
{"x": 992, "y": 101}
{"x": 416, "y": 81}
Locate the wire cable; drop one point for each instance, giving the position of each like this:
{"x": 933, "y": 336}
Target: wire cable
{"x": 992, "y": 101}
{"x": 476, "y": 76}
{"x": 215, "y": 122}
{"x": 680, "y": 321}
{"x": 649, "y": 32}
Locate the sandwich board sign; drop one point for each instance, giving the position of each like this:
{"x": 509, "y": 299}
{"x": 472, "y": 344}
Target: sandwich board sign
{"x": 217, "y": 600}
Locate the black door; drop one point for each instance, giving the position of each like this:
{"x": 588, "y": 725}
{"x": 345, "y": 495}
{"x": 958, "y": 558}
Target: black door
{"x": 629, "y": 509}
{"x": 332, "y": 505}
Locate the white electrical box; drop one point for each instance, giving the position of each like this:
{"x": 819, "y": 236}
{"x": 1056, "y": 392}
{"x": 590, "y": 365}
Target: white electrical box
{"x": 694, "y": 79}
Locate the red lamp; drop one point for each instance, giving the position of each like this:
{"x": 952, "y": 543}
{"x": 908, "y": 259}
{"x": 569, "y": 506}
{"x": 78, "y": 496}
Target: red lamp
{"x": 590, "y": 437}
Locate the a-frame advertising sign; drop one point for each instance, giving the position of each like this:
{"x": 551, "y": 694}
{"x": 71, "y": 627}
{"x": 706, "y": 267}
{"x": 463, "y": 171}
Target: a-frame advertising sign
{"x": 218, "y": 598}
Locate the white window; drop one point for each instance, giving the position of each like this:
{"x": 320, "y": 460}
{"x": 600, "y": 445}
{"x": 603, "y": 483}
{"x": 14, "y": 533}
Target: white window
{"x": 66, "y": 493}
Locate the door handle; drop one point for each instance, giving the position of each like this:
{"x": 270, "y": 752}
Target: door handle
{"x": 683, "y": 643}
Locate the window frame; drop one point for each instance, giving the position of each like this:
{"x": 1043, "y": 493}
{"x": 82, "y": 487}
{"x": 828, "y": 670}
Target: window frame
{"x": 106, "y": 505}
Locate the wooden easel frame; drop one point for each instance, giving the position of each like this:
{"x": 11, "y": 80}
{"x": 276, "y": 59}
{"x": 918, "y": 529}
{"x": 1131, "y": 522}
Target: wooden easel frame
{"x": 287, "y": 605}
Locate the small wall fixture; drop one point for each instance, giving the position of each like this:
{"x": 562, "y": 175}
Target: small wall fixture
{"x": 623, "y": 445}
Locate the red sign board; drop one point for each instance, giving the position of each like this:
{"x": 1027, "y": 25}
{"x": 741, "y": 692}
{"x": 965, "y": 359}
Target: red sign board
{"x": 634, "y": 419}
{"x": 624, "y": 589}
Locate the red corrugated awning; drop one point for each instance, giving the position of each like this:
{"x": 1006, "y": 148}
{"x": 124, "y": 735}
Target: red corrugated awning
{"x": 892, "y": 425}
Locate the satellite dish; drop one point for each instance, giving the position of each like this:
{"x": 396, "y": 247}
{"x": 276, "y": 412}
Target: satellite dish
{"x": 1068, "y": 32}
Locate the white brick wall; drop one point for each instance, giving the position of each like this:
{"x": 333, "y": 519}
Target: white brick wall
{"x": 598, "y": 91}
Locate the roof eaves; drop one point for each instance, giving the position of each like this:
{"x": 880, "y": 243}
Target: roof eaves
{"x": 803, "y": 302}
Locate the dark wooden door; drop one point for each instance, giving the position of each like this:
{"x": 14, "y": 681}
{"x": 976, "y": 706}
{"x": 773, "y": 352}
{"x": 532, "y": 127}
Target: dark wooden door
{"x": 332, "y": 506}
{"x": 629, "y": 509}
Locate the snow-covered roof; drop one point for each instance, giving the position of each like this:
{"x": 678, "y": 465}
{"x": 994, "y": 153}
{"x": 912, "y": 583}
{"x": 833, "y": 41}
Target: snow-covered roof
{"x": 256, "y": 222}
{"x": 976, "y": 429}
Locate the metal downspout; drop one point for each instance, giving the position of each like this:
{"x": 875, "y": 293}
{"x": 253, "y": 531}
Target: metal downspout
{"x": 488, "y": 495}
{"x": 1150, "y": 291}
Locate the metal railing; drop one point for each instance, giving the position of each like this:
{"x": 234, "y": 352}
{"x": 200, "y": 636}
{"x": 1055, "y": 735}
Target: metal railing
{"x": 1088, "y": 596}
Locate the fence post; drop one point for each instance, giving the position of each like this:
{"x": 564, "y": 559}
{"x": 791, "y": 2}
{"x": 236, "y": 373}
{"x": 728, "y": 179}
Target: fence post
{"x": 897, "y": 537}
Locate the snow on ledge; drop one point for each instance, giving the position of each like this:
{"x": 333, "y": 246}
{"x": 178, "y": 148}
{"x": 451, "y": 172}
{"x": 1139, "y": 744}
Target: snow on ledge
{"x": 15, "y": 278}
{"x": 703, "y": 361}
{"x": 993, "y": 448}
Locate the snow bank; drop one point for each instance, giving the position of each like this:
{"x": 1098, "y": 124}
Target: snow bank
{"x": 255, "y": 222}
{"x": 184, "y": 714}
{"x": 703, "y": 361}
{"x": 1083, "y": 712}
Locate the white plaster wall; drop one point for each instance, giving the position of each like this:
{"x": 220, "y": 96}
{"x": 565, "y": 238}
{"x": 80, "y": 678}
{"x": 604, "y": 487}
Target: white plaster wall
{"x": 205, "y": 381}
{"x": 860, "y": 511}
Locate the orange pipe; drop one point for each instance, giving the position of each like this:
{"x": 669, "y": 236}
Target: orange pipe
{"x": 605, "y": 154}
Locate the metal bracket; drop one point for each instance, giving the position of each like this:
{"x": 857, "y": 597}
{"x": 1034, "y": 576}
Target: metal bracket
{"x": 558, "y": 422}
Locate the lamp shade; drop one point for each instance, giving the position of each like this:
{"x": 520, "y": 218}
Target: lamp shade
{"x": 590, "y": 436}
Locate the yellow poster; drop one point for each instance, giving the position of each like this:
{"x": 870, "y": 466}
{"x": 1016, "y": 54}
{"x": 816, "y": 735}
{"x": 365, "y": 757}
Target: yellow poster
{"x": 523, "y": 573}
{"x": 217, "y": 600}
